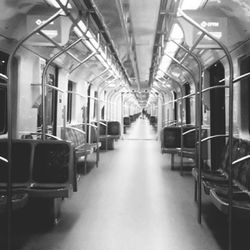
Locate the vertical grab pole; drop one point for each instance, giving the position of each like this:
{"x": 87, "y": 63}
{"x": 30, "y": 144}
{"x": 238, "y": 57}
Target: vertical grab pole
{"x": 99, "y": 91}
{"x": 181, "y": 90}
{"x": 230, "y": 64}
{"x": 64, "y": 123}
{"x": 198, "y": 104}
{"x": 97, "y": 129}
{"x": 122, "y": 114}
{"x": 198, "y": 121}
{"x": 181, "y": 109}
{"x": 86, "y": 132}
{"x": 10, "y": 134}
{"x": 44, "y": 82}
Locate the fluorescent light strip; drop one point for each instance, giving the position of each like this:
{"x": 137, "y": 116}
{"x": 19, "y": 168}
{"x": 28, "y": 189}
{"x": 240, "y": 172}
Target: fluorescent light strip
{"x": 55, "y": 4}
{"x": 94, "y": 46}
{"x": 191, "y": 4}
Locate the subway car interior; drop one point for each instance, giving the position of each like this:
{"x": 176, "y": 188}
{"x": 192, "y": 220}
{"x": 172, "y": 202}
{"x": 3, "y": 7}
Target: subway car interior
{"x": 124, "y": 124}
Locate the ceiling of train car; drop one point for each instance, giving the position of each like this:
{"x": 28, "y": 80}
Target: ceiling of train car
{"x": 13, "y": 9}
{"x": 132, "y": 26}
{"x": 116, "y": 18}
{"x": 140, "y": 18}
{"x": 144, "y": 16}
{"x": 238, "y": 11}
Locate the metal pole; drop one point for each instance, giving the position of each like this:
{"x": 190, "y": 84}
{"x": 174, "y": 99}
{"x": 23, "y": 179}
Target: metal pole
{"x": 102, "y": 73}
{"x": 122, "y": 114}
{"x": 181, "y": 109}
{"x": 97, "y": 129}
{"x": 10, "y": 134}
{"x": 199, "y": 111}
{"x": 230, "y": 64}
{"x": 44, "y": 127}
{"x": 82, "y": 62}
{"x": 198, "y": 119}
{"x": 57, "y": 45}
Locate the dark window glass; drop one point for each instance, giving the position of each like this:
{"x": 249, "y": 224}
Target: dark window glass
{"x": 50, "y": 104}
{"x": 3, "y": 92}
{"x": 175, "y": 107}
{"x": 70, "y": 100}
{"x": 95, "y": 105}
{"x": 245, "y": 95}
{"x": 187, "y": 103}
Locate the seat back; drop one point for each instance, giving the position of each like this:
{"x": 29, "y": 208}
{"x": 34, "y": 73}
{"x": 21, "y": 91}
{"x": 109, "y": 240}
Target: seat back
{"x": 102, "y": 128}
{"x": 171, "y": 137}
{"x": 114, "y": 128}
{"x": 22, "y": 151}
{"x": 189, "y": 139}
{"x": 53, "y": 163}
{"x": 74, "y": 135}
{"x": 126, "y": 121}
{"x": 153, "y": 120}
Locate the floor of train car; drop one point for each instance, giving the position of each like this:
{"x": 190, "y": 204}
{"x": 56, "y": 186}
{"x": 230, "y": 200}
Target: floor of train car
{"x": 132, "y": 201}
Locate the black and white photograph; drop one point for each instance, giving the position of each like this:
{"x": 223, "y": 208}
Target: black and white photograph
{"x": 124, "y": 124}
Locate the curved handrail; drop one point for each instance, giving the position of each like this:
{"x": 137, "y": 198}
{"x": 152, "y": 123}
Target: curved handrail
{"x": 104, "y": 124}
{"x": 3, "y": 159}
{"x": 215, "y": 87}
{"x": 76, "y": 129}
{"x": 244, "y": 158}
{"x": 214, "y": 137}
{"x": 48, "y": 135}
{"x": 3, "y": 85}
{"x": 88, "y": 124}
{"x": 3, "y": 77}
{"x": 189, "y": 131}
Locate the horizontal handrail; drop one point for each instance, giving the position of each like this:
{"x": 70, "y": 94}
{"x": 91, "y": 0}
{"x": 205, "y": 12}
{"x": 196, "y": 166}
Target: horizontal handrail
{"x": 48, "y": 135}
{"x": 215, "y": 87}
{"x": 3, "y": 84}
{"x": 49, "y": 86}
{"x": 76, "y": 129}
{"x": 104, "y": 124}
{"x": 239, "y": 78}
{"x": 244, "y": 158}
{"x": 88, "y": 124}
{"x": 3, "y": 77}
{"x": 3, "y": 159}
{"x": 213, "y": 137}
{"x": 189, "y": 131}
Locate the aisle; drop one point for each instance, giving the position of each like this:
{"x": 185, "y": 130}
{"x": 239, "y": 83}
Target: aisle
{"x": 141, "y": 130}
{"x": 132, "y": 201}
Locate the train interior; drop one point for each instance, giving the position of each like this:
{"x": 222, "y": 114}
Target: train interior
{"x": 124, "y": 124}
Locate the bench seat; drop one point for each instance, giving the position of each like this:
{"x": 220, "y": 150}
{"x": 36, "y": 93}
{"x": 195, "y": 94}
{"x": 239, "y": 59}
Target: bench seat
{"x": 40, "y": 169}
{"x": 19, "y": 201}
{"x": 216, "y": 183}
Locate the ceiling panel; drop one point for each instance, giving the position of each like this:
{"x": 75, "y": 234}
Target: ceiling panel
{"x": 144, "y": 15}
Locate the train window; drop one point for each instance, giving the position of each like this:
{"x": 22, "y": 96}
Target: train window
{"x": 245, "y": 95}
{"x": 95, "y": 105}
{"x": 69, "y": 102}
{"x": 103, "y": 108}
{"x": 217, "y": 111}
{"x": 3, "y": 93}
{"x": 50, "y": 103}
{"x": 102, "y": 112}
{"x": 3, "y": 109}
{"x": 175, "y": 106}
{"x": 187, "y": 103}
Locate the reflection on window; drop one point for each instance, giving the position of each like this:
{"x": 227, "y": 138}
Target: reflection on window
{"x": 95, "y": 105}
{"x": 175, "y": 107}
{"x": 69, "y": 102}
{"x": 245, "y": 96}
{"x": 3, "y": 92}
{"x": 187, "y": 103}
{"x": 50, "y": 107}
